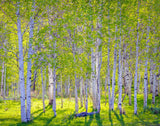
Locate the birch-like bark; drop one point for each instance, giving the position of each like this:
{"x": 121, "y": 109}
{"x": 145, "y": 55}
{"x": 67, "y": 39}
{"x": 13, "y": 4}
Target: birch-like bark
{"x": 93, "y": 79}
{"x": 146, "y": 72}
{"x": 29, "y": 65}
{"x": 42, "y": 90}
{"x": 54, "y": 91}
{"x": 50, "y": 84}
{"x": 114, "y": 71}
{"x": 108, "y": 65}
{"x": 136, "y": 69}
{"x": 68, "y": 86}
{"x": 4, "y": 92}
{"x": 154, "y": 88}
{"x": 76, "y": 95}
{"x": 86, "y": 88}
{"x": 81, "y": 91}
{"x": 120, "y": 73}
{"x": 151, "y": 77}
{"x": 54, "y": 81}
{"x": 98, "y": 61}
{"x": 61, "y": 93}
{"x": 2, "y": 79}
{"x": 21, "y": 67}
{"x": 129, "y": 88}
{"x": 45, "y": 81}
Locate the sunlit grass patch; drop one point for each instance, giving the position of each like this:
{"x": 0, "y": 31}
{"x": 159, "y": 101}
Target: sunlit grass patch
{"x": 10, "y": 113}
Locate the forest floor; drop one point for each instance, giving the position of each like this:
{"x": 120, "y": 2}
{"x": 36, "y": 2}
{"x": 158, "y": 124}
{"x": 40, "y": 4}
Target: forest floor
{"x": 10, "y": 113}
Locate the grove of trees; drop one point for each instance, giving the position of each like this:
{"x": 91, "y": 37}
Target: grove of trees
{"x": 80, "y": 49}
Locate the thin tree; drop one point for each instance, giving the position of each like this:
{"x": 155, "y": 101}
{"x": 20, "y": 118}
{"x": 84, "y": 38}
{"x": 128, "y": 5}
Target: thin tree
{"x": 146, "y": 71}
{"x": 136, "y": 69}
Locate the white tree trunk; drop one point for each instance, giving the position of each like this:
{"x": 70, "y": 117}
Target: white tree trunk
{"x": 146, "y": 73}
{"x": 45, "y": 81}
{"x": 54, "y": 91}
{"x": 86, "y": 103}
{"x": 114, "y": 71}
{"x": 50, "y": 84}
{"x": 42, "y": 90}
{"x": 81, "y": 91}
{"x": 61, "y": 92}
{"x": 21, "y": 68}
{"x": 151, "y": 78}
{"x": 154, "y": 88}
{"x": 2, "y": 79}
{"x": 108, "y": 65}
{"x": 4, "y": 92}
{"x": 120, "y": 74}
{"x": 93, "y": 79}
{"x": 29, "y": 65}
{"x": 136, "y": 69}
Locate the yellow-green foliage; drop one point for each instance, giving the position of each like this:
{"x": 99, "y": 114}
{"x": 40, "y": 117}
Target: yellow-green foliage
{"x": 10, "y": 113}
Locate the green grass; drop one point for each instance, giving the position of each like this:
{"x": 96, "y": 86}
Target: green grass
{"x": 10, "y": 113}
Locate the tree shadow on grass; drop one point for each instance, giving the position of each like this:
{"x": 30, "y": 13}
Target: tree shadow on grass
{"x": 110, "y": 118}
{"x": 120, "y": 118}
{"x": 98, "y": 119}
{"x": 41, "y": 110}
{"x": 50, "y": 120}
{"x": 46, "y": 108}
{"x": 88, "y": 123}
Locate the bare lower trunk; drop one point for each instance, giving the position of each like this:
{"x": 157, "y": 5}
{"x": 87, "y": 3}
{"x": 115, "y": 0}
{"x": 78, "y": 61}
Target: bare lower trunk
{"x": 68, "y": 86}
{"x": 136, "y": 69}
{"x": 108, "y": 65}
{"x": 54, "y": 91}
{"x": 76, "y": 95}
{"x": 129, "y": 89}
{"x": 29, "y": 66}
{"x": 151, "y": 78}
{"x": 81, "y": 91}
{"x": 154, "y": 88}
{"x": 114, "y": 72}
{"x": 86, "y": 105}
{"x": 61, "y": 93}
{"x": 146, "y": 73}
{"x": 120, "y": 74}
{"x": 4, "y": 92}
{"x": 93, "y": 79}
{"x": 50, "y": 84}
{"x": 21, "y": 68}
{"x": 42, "y": 91}
{"x": 2, "y": 80}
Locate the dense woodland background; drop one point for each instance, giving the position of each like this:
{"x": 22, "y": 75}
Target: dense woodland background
{"x": 87, "y": 49}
